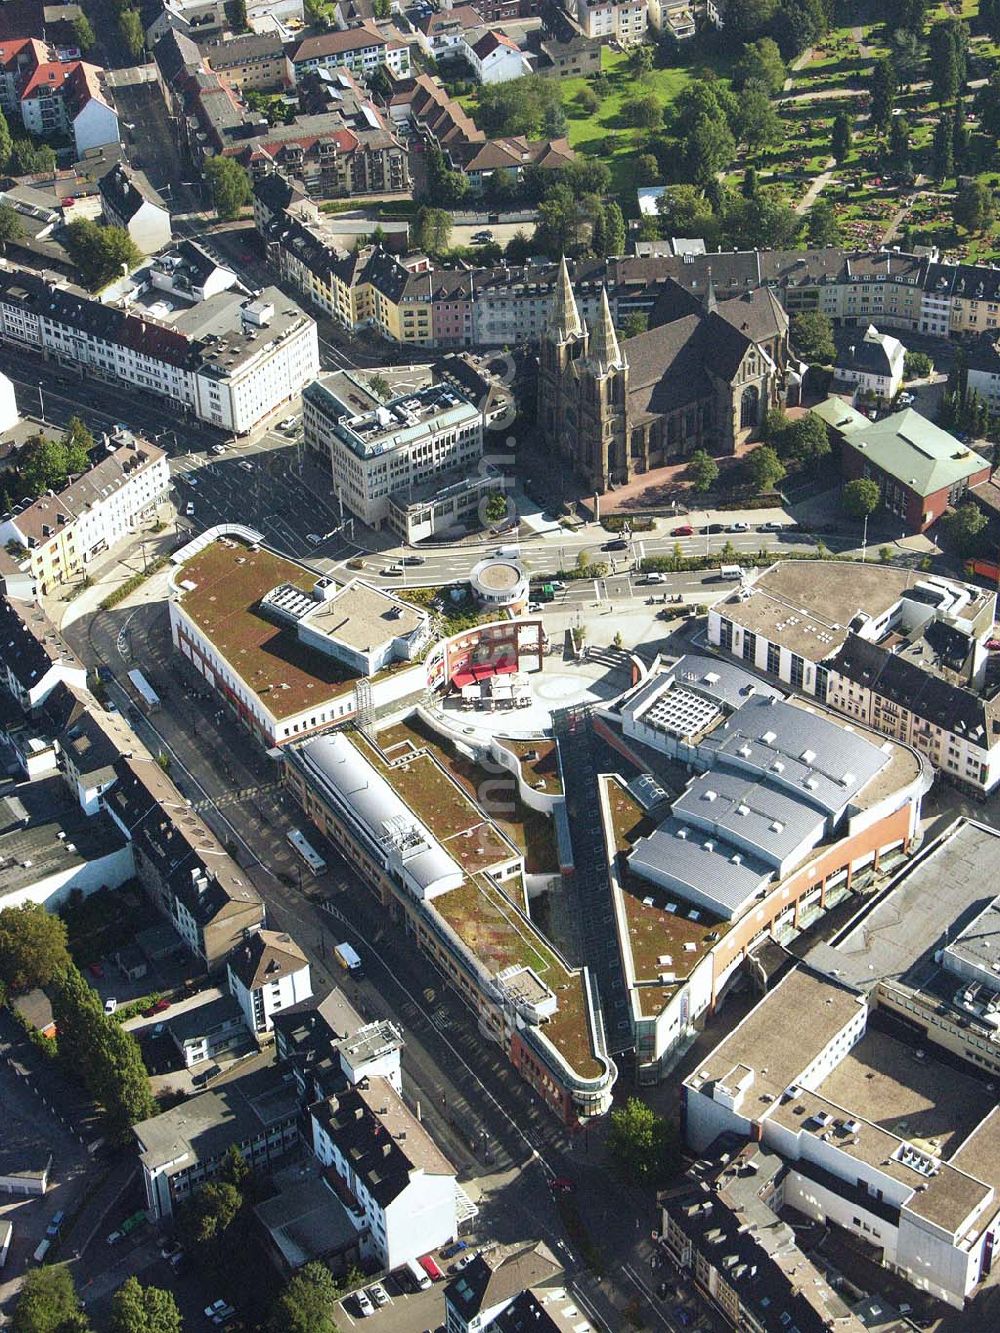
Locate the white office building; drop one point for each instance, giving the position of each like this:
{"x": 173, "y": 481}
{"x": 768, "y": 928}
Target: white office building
{"x": 383, "y": 453}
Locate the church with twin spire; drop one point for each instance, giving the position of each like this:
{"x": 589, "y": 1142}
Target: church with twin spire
{"x": 701, "y": 378}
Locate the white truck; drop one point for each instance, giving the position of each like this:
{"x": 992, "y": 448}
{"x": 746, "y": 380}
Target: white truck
{"x": 348, "y": 958}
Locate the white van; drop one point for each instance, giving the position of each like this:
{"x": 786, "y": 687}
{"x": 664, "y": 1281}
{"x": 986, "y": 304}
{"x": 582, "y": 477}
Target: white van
{"x": 732, "y": 572}
{"x": 418, "y": 1275}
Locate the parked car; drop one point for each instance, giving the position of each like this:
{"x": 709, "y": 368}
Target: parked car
{"x": 314, "y": 538}
{"x": 216, "y": 1308}
{"x": 364, "y": 1304}
{"x": 169, "y": 1248}
{"x": 456, "y": 1247}
{"x": 217, "y": 449}
{"x": 52, "y": 1230}
{"x": 115, "y": 1236}
{"x": 993, "y": 645}
{"x": 159, "y": 1029}
{"x": 378, "y": 1295}
{"x": 739, "y": 527}
{"x": 110, "y": 1005}
{"x": 459, "y": 1264}
{"x": 906, "y": 399}
{"x": 156, "y": 1008}
{"x": 770, "y": 527}
{"x": 685, "y": 530}
{"x": 189, "y": 510}
{"x": 619, "y": 544}
{"x": 246, "y": 465}
{"x": 713, "y": 528}
{"x": 289, "y": 423}
{"x": 562, "y": 1184}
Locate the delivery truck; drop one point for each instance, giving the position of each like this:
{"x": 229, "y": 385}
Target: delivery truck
{"x": 348, "y": 958}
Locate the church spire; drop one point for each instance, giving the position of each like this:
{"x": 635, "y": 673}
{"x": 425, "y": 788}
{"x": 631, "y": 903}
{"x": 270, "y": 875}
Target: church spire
{"x": 710, "y": 302}
{"x": 604, "y": 351}
{"x": 564, "y": 317}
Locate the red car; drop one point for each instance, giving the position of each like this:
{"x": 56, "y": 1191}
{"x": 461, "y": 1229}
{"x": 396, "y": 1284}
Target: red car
{"x": 993, "y": 645}
{"x": 95, "y": 969}
{"x": 563, "y": 1184}
{"x": 156, "y": 1008}
{"x": 684, "y": 531}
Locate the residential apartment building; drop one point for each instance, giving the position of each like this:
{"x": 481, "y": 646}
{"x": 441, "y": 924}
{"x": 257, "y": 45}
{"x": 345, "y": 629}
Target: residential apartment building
{"x": 180, "y": 864}
{"x": 184, "y": 1149}
{"x": 252, "y": 60}
{"x": 227, "y": 357}
{"x": 330, "y": 155}
{"x": 328, "y": 1046}
{"x": 129, "y": 201}
{"x": 52, "y": 96}
{"x": 873, "y": 364}
{"x": 900, "y": 651}
{"x": 398, "y": 1187}
{"x": 621, "y": 21}
{"x": 388, "y": 449}
{"x": 361, "y": 49}
{"x": 494, "y": 56}
{"x": 61, "y": 534}
{"x": 267, "y": 974}
{"x": 34, "y": 657}
{"x": 722, "y": 1230}
{"x": 494, "y": 1280}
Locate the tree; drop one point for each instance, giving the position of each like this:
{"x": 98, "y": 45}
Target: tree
{"x": 766, "y": 221}
{"x": 943, "y": 158}
{"x": 749, "y": 185}
{"x": 558, "y": 222}
{"x": 640, "y": 62}
{"x": 644, "y": 1145}
{"x": 48, "y": 1303}
{"x": 634, "y": 323}
{"x": 883, "y": 93}
{"x": 759, "y": 124}
{"x": 78, "y": 443}
{"x": 812, "y": 337}
{"x": 307, "y": 1303}
{"x": 643, "y": 111}
{"x": 906, "y": 54}
{"x": 10, "y": 226}
{"x": 974, "y": 207}
{"x": 83, "y": 33}
{"x": 764, "y": 469}
{"x": 805, "y": 440}
{"x": 773, "y": 426}
{"x": 959, "y": 136}
{"x": 822, "y": 224}
{"x": 899, "y": 142}
{"x": 100, "y": 253}
{"x": 139, "y": 1309}
{"x": 506, "y": 109}
{"x": 614, "y": 230}
{"x": 444, "y": 186}
{"x": 130, "y": 25}
{"x": 432, "y": 230}
{"x": 948, "y": 47}
{"x": 987, "y": 105}
{"x": 235, "y": 1169}
{"x": 379, "y": 385}
{"x": 383, "y": 9}
{"x": 861, "y": 497}
{"x": 29, "y": 158}
{"x": 647, "y": 169}
{"x": 761, "y": 64}
{"x": 702, "y": 471}
{"x": 749, "y": 18}
{"x": 240, "y": 20}
{"x": 841, "y": 137}
{"x": 229, "y": 185}
{"x": 587, "y": 100}
{"x": 908, "y": 16}
{"x": 710, "y": 148}
{"x": 686, "y": 212}
{"x": 32, "y": 947}
{"x": 917, "y": 366}
{"x": 989, "y": 16}
{"x": 207, "y": 1218}
{"x": 963, "y": 526}
{"x": 797, "y": 24}
{"x": 6, "y": 142}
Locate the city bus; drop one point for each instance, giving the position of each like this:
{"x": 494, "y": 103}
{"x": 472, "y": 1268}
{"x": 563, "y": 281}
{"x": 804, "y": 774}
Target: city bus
{"x": 308, "y": 853}
{"x": 148, "y": 696}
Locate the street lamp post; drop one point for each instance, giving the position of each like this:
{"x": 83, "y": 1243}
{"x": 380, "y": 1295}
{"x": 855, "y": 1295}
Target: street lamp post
{"x": 41, "y": 401}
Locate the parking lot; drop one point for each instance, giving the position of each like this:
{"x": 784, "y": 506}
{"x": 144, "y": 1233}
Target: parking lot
{"x": 268, "y": 488}
{"x": 405, "y": 1311}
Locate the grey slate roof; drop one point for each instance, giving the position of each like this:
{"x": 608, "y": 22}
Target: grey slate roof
{"x": 750, "y": 814}
{"x": 699, "y": 868}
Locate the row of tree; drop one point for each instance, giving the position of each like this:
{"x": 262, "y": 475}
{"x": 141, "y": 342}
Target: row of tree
{"x": 93, "y": 1046}
{"x": 48, "y": 1303}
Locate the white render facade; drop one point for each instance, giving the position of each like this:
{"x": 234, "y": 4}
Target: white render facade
{"x": 232, "y": 393}
{"x": 623, "y": 21}
{"x": 260, "y": 1003}
{"x": 371, "y": 461}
